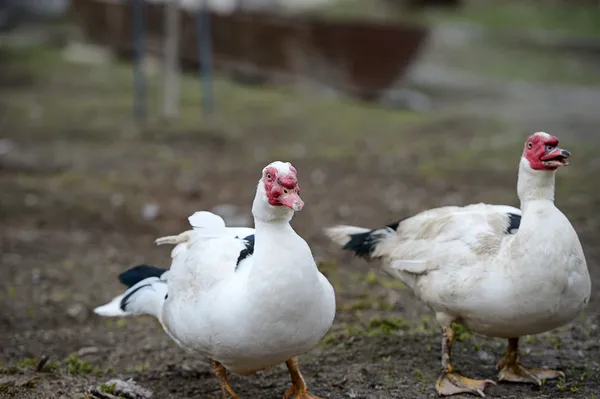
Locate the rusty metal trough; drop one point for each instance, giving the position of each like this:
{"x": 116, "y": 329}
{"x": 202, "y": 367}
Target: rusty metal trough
{"x": 358, "y": 58}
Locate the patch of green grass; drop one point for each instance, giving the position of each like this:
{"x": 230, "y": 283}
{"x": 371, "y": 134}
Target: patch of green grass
{"x": 372, "y": 278}
{"x": 331, "y": 270}
{"x": 489, "y": 58}
{"x": 386, "y": 359}
{"x": 530, "y": 339}
{"x": 157, "y": 324}
{"x": 328, "y": 266}
{"x": 360, "y": 304}
{"x": 570, "y": 386}
{"x": 121, "y": 323}
{"x": 50, "y": 367}
{"x": 76, "y": 366}
{"x": 555, "y": 340}
{"x": 110, "y": 389}
{"x": 367, "y": 302}
{"x": 96, "y": 101}
{"x": 342, "y": 335}
{"x": 10, "y": 370}
{"x": 428, "y": 325}
{"x": 461, "y": 333}
{"x": 497, "y": 60}
{"x": 27, "y": 363}
{"x": 386, "y": 325}
{"x": 491, "y": 14}
{"x": 419, "y": 376}
{"x": 140, "y": 368}
{"x": 578, "y": 377}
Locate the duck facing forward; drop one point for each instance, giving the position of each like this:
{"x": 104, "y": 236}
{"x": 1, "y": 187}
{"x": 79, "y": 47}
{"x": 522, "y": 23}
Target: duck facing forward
{"x": 243, "y": 303}
{"x": 498, "y": 270}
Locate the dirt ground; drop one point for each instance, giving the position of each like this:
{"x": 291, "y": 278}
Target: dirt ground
{"x": 84, "y": 194}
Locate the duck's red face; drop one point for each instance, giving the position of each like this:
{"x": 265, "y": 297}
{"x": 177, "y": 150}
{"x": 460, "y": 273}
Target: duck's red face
{"x": 543, "y": 153}
{"x": 281, "y": 186}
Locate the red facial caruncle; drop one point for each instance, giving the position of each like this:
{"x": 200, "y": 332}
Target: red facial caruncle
{"x": 282, "y": 188}
{"x": 543, "y": 153}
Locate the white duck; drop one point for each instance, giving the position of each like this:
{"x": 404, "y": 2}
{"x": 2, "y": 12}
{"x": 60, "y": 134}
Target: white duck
{"x": 497, "y": 271}
{"x": 244, "y": 304}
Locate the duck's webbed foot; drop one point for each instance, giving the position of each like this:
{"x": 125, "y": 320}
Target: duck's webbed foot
{"x": 511, "y": 370}
{"x": 451, "y": 383}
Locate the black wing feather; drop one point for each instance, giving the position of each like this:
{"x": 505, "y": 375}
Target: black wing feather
{"x": 246, "y": 252}
{"x": 514, "y": 222}
{"x": 138, "y": 273}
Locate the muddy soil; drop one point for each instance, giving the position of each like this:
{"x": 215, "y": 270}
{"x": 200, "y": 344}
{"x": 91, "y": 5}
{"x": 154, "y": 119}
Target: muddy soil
{"x": 83, "y": 198}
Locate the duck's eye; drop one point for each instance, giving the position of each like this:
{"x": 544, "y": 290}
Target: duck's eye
{"x": 529, "y": 145}
{"x": 269, "y": 176}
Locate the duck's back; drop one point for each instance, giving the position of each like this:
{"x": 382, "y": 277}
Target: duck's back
{"x": 449, "y": 239}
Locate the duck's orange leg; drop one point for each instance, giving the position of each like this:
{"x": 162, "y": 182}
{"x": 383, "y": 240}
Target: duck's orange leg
{"x": 221, "y": 373}
{"x": 450, "y": 382}
{"x": 298, "y": 390}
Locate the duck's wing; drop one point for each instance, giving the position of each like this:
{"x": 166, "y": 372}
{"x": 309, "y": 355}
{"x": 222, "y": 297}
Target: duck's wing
{"x": 448, "y": 236}
{"x": 210, "y": 252}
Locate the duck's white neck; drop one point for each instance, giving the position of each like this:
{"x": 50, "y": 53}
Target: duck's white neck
{"x": 534, "y": 185}
{"x": 268, "y": 215}
{"x": 270, "y": 222}
{"x": 272, "y": 232}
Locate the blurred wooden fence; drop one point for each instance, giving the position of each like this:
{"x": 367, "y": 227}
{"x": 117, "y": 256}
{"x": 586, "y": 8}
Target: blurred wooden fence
{"x": 358, "y": 58}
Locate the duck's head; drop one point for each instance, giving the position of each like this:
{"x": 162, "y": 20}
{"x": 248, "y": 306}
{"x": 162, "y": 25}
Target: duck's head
{"x": 278, "y": 192}
{"x": 543, "y": 153}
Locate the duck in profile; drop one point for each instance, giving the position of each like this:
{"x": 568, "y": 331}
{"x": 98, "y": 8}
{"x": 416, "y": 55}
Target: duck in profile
{"x": 242, "y": 299}
{"x": 498, "y": 270}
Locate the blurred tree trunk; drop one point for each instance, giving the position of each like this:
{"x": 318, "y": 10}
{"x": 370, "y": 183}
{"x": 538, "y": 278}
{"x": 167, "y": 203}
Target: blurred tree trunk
{"x": 171, "y": 60}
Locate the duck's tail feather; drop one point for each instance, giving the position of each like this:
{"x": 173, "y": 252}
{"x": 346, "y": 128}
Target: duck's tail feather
{"x": 146, "y": 294}
{"x": 138, "y": 273}
{"x": 361, "y": 241}
{"x": 112, "y": 308}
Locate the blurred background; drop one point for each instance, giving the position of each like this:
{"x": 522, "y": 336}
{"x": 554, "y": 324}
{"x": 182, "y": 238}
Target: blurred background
{"x": 119, "y": 119}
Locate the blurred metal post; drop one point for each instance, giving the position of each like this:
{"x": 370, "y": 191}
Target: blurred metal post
{"x": 139, "y": 46}
{"x": 205, "y": 67}
{"x": 171, "y": 60}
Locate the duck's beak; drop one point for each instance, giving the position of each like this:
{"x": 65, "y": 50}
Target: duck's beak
{"x": 292, "y": 200}
{"x": 556, "y": 157}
